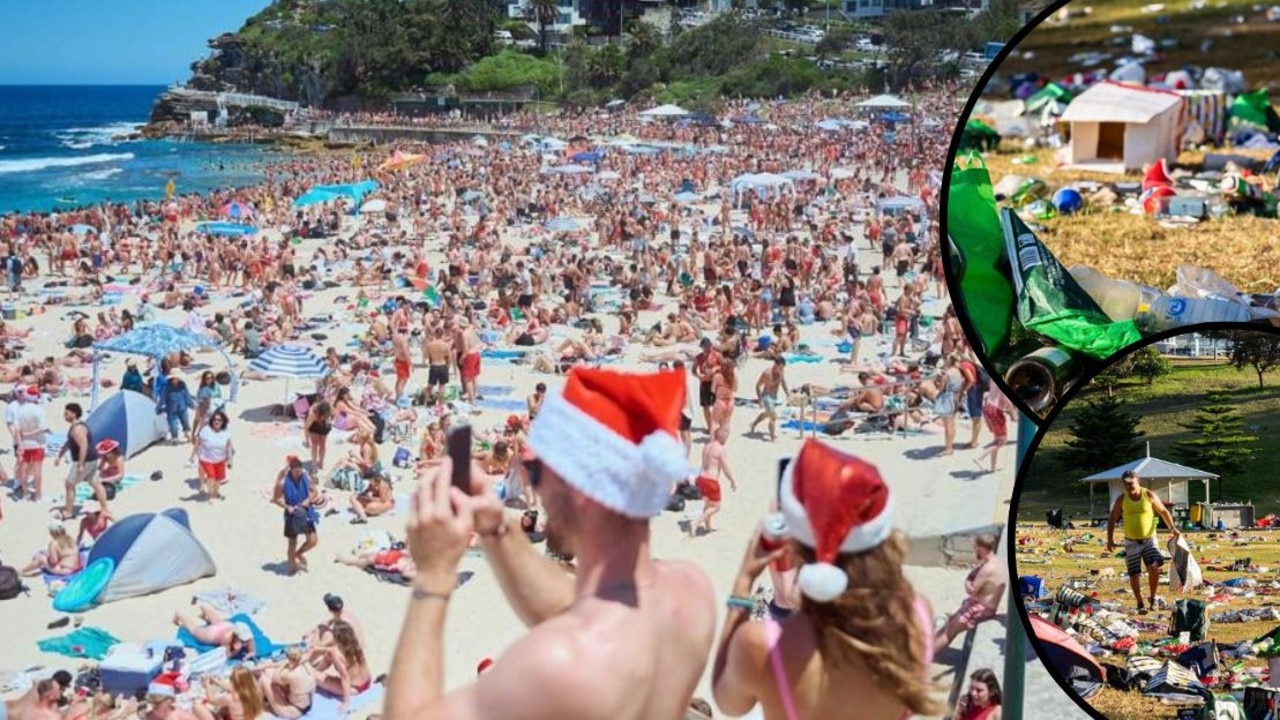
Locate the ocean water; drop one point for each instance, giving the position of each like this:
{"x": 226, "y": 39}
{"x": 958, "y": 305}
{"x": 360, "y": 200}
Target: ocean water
{"x": 59, "y": 148}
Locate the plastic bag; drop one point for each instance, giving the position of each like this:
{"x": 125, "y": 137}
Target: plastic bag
{"x": 973, "y": 226}
{"x": 1184, "y": 571}
{"x": 1050, "y": 302}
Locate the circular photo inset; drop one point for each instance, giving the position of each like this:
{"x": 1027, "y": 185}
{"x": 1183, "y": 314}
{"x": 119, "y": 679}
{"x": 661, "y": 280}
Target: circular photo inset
{"x": 1145, "y": 550}
{"x": 1115, "y": 180}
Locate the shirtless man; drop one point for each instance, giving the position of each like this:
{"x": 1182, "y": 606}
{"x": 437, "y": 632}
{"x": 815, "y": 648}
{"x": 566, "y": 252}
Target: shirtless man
{"x": 437, "y": 351}
{"x": 767, "y": 393}
{"x": 469, "y": 360}
{"x": 289, "y": 688}
{"x": 658, "y": 617}
{"x": 321, "y": 635}
{"x": 868, "y": 400}
{"x": 41, "y": 702}
{"x": 984, "y": 587}
{"x": 714, "y": 463}
{"x": 403, "y": 362}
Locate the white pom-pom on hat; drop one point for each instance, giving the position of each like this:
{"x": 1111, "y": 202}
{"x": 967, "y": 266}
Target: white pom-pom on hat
{"x": 822, "y": 582}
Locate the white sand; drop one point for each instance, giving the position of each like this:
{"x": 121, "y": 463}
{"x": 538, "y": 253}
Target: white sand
{"x": 935, "y": 495}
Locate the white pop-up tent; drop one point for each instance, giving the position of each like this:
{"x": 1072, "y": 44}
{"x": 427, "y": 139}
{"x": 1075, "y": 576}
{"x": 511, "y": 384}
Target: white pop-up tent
{"x": 665, "y": 111}
{"x": 884, "y": 102}
{"x": 1117, "y": 127}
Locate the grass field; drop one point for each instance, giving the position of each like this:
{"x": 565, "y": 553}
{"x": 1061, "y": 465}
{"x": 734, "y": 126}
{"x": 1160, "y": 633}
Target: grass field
{"x": 1045, "y": 555}
{"x": 1252, "y": 46}
{"x": 1164, "y": 406}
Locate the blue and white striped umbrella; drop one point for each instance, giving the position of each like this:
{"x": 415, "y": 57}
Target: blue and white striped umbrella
{"x": 563, "y": 225}
{"x": 289, "y": 361}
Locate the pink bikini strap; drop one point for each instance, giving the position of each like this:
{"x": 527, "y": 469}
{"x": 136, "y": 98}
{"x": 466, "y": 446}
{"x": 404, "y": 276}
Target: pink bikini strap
{"x": 926, "y": 627}
{"x": 773, "y": 632}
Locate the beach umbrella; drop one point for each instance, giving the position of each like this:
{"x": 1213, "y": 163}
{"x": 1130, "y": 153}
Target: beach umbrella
{"x": 801, "y": 175}
{"x": 688, "y": 197}
{"x": 591, "y": 157}
{"x": 374, "y": 206}
{"x": 562, "y": 225}
{"x": 225, "y": 229}
{"x": 568, "y": 170}
{"x": 82, "y": 229}
{"x": 609, "y": 175}
{"x": 237, "y": 210}
{"x": 291, "y": 362}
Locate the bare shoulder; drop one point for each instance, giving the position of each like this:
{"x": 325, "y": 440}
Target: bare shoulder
{"x": 688, "y": 578}
{"x": 557, "y": 670}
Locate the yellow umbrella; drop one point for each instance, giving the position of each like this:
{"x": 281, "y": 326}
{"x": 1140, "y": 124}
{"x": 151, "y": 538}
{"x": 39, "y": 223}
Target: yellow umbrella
{"x": 170, "y": 189}
{"x": 355, "y": 161}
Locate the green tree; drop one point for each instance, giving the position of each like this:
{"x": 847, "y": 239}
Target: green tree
{"x": 1253, "y": 349}
{"x": 914, "y": 40}
{"x": 1114, "y": 374}
{"x": 645, "y": 38}
{"x": 1149, "y": 364}
{"x": 1221, "y": 445}
{"x": 1103, "y": 436}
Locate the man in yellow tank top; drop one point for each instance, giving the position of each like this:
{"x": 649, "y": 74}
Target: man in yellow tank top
{"x": 1139, "y": 507}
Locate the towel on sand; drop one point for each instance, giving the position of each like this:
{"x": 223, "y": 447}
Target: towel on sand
{"x": 230, "y": 601}
{"x": 796, "y": 358}
{"x": 505, "y": 404}
{"x": 499, "y": 354}
{"x": 265, "y": 648}
{"x": 495, "y": 390}
{"x": 86, "y": 642}
{"x": 84, "y": 491}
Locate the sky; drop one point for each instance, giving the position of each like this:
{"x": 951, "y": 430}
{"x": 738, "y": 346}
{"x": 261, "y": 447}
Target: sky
{"x": 111, "y": 42}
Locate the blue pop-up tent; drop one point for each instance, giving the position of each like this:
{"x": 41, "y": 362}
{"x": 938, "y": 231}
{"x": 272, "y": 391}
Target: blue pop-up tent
{"x": 130, "y": 419}
{"x": 225, "y": 229}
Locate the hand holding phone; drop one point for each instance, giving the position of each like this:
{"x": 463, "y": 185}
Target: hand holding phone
{"x": 460, "y": 455}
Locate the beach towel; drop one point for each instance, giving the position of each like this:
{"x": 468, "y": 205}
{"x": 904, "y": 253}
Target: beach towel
{"x": 86, "y": 642}
{"x": 504, "y": 404}
{"x": 231, "y": 601}
{"x": 263, "y": 644}
{"x": 84, "y": 491}
{"x": 495, "y": 390}
{"x": 500, "y": 354}
{"x": 795, "y": 358}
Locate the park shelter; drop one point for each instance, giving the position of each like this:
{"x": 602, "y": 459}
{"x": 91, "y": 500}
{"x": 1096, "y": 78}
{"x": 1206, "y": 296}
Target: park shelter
{"x": 1171, "y": 482}
{"x": 1115, "y": 127}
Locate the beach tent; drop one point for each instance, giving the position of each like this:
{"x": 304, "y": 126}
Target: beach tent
{"x": 130, "y": 419}
{"x": 326, "y": 193}
{"x": 884, "y": 102}
{"x": 225, "y": 229}
{"x": 155, "y": 340}
{"x": 977, "y": 135}
{"x": 762, "y": 183}
{"x": 1117, "y": 127}
{"x": 1170, "y": 482}
{"x": 1072, "y": 662}
{"x": 152, "y": 552}
{"x": 1253, "y": 110}
{"x": 665, "y": 111}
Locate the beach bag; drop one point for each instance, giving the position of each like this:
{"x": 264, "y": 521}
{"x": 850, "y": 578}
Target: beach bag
{"x": 10, "y": 583}
{"x": 403, "y": 458}
{"x": 1189, "y": 616}
{"x": 973, "y": 226}
{"x": 688, "y": 490}
{"x": 675, "y": 503}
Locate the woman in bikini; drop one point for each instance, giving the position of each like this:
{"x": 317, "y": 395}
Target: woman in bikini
{"x": 349, "y": 416}
{"x": 723, "y": 384}
{"x": 236, "y": 638}
{"x": 61, "y": 557}
{"x": 861, "y": 636}
{"x": 239, "y": 699}
{"x": 346, "y": 673}
{"x": 376, "y": 498}
{"x": 289, "y": 687}
{"x": 318, "y": 424}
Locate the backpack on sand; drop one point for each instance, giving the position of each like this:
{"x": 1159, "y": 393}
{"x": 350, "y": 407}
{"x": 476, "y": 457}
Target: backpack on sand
{"x": 10, "y": 583}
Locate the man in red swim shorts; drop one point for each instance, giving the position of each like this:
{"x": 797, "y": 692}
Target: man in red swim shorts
{"x": 714, "y": 464}
{"x": 404, "y": 364}
{"x": 985, "y": 587}
{"x": 33, "y": 431}
{"x": 469, "y": 364}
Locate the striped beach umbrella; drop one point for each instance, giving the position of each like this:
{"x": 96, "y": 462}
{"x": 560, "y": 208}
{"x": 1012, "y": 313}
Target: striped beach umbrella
{"x": 291, "y": 362}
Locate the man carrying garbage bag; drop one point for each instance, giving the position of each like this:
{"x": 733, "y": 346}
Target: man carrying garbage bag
{"x": 1138, "y": 507}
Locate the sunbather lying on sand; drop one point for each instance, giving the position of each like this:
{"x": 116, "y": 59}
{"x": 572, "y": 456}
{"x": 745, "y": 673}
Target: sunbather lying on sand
{"x": 396, "y": 561}
{"x": 237, "y": 638}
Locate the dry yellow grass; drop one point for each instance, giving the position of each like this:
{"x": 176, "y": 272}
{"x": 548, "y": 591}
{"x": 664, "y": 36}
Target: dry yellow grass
{"x": 1047, "y": 559}
{"x": 1243, "y": 249}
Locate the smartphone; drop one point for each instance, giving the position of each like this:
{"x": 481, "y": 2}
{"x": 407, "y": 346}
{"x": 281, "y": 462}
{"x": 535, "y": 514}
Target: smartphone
{"x": 782, "y": 470}
{"x": 460, "y": 455}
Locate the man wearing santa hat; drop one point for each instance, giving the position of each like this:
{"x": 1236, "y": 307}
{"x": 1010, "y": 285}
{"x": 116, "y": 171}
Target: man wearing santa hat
{"x": 625, "y": 637}
{"x": 861, "y": 637}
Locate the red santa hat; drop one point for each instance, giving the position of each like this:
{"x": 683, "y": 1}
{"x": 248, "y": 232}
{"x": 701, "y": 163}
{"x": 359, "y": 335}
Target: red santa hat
{"x": 1157, "y": 176}
{"x": 835, "y": 504}
{"x": 615, "y": 437}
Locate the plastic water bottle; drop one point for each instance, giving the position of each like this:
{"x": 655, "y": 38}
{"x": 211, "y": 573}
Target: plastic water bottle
{"x": 1174, "y": 312}
{"x": 1119, "y": 299}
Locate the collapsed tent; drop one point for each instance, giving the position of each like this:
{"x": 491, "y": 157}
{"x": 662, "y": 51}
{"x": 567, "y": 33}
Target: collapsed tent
{"x": 1048, "y": 95}
{"x": 1253, "y": 110}
{"x": 129, "y": 418}
{"x": 151, "y": 552}
{"x": 977, "y": 135}
{"x": 1072, "y": 662}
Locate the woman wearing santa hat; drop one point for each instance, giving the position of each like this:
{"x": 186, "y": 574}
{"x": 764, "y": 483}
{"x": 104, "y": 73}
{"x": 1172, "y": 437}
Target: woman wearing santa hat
{"x": 861, "y": 636}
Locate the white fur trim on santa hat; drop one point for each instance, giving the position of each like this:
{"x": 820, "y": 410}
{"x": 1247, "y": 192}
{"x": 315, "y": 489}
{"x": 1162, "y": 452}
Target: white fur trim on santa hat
{"x": 859, "y": 539}
{"x": 634, "y": 480}
{"x": 822, "y": 582}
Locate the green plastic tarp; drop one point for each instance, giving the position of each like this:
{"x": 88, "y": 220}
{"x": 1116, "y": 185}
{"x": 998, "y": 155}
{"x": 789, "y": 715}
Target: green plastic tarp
{"x": 1254, "y": 110}
{"x": 1052, "y": 92}
{"x": 1051, "y": 303}
{"x": 977, "y": 135}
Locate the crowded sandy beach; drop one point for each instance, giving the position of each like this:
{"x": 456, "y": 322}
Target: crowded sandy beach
{"x": 278, "y": 372}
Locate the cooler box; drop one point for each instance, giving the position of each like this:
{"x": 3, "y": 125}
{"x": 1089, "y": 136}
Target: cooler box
{"x": 129, "y": 667}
